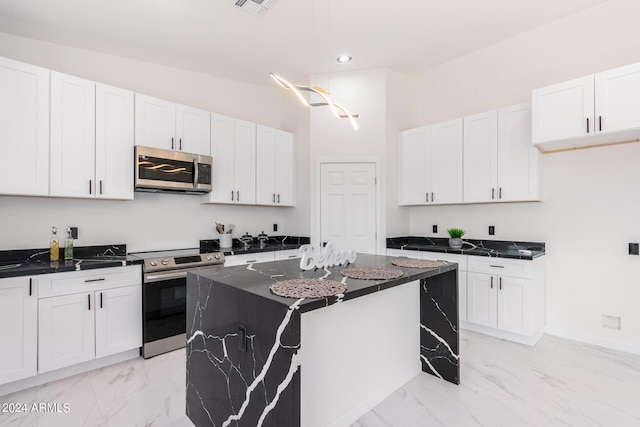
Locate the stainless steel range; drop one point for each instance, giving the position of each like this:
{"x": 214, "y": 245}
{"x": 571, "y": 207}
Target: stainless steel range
{"x": 164, "y": 296}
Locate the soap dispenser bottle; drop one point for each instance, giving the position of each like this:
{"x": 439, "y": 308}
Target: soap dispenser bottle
{"x": 68, "y": 245}
{"x": 54, "y": 246}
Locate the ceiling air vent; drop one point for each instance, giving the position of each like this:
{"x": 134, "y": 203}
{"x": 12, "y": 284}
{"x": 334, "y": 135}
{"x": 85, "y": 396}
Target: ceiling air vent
{"x": 255, "y": 7}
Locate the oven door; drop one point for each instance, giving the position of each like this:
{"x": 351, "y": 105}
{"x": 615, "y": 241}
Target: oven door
{"x": 164, "y": 303}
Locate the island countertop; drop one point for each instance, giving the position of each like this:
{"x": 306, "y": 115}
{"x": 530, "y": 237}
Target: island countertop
{"x": 256, "y": 278}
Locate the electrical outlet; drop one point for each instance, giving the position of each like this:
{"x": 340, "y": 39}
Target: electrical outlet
{"x": 492, "y": 230}
{"x": 435, "y": 229}
{"x": 634, "y": 249}
{"x": 611, "y": 322}
{"x": 275, "y": 227}
{"x": 74, "y": 232}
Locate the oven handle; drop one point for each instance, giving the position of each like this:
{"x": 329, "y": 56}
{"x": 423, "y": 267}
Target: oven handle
{"x": 150, "y": 278}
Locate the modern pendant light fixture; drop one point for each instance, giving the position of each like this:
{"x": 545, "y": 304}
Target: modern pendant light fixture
{"x": 338, "y": 110}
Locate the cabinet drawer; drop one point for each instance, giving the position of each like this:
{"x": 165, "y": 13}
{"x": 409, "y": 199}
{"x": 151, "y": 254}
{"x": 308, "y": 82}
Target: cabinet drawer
{"x": 288, "y": 254}
{"x": 460, "y": 259}
{"x": 255, "y": 258}
{"x": 56, "y": 284}
{"x": 501, "y": 266}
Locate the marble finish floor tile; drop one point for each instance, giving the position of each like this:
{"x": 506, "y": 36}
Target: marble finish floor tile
{"x": 556, "y": 383}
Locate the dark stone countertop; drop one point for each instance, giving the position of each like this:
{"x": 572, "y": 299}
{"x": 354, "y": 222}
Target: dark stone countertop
{"x": 490, "y": 248}
{"x": 29, "y": 262}
{"x": 275, "y": 243}
{"x": 256, "y": 278}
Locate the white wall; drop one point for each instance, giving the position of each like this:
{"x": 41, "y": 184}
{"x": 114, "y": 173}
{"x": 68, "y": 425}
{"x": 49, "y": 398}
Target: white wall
{"x": 155, "y": 221}
{"x": 592, "y": 205}
{"x": 362, "y": 93}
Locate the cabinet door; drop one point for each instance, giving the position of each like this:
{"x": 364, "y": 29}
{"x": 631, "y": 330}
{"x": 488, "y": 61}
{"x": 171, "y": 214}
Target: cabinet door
{"x": 18, "y": 329}
{"x": 118, "y": 320}
{"x": 445, "y": 163}
{"x": 515, "y": 305}
{"x": 72, "y": 168}
{"x": 285, "y": 171}
{"x": 618, "y": 99}
{"x": 564, "y": 110}
{"x": 193, "y": 130}
{"x": 155, "y": 122}
{"x": 265, "y": 165}
{"x": 24, "y": 129}
{"x": 223, "y": 153}
{"x": 414, "y": 169}
{"x": 480, "y": 157}
{"x": 65, "y": 331}
{"x": 482, "y": 299}
{"x": 288, "y": 254}
{"x": 518, "y": 160}
{"x": 245, "y": 259}
{"x": 245, "y": 162}
{"x": 114, "y": 142}
{"x": 462, "y": 295}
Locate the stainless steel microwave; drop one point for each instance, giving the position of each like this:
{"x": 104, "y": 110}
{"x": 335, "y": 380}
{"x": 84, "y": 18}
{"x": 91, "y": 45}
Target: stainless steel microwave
{"x": 172, "y": 171}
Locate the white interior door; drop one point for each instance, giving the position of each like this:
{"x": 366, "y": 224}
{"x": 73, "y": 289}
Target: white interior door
{"x": 348, "y": 205}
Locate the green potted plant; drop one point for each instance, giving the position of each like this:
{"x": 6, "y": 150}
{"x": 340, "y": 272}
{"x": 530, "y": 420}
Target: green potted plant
{"x": 455, "y": 234}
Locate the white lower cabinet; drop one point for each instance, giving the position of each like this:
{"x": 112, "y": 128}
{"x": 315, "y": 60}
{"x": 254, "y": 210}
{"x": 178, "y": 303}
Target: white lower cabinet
{"x": 18, "y": 328}
{"x": 288, "y": 254}
{"x": 245, "y": 259}
{"x": 506, "y": 298}
{"x": 87, "y": 315}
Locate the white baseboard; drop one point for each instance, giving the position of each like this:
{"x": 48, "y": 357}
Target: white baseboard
{"x": 594, "y": 340}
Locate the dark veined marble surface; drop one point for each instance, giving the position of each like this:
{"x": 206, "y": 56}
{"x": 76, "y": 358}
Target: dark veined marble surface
{"x": 490, "y": 248}
{"x": 275, "y": 243}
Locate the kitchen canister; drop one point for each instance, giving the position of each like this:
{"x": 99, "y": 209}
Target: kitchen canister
{"x": 226, "y": 241}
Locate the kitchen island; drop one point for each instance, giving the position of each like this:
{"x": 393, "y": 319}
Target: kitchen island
{"x": 258, "y": 359}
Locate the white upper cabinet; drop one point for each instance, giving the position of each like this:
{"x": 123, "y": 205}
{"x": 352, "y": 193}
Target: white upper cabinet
{"x": 72, "y": 168}
{"x": 114, "y": 142}
{"x": 24, "y": 129}
{"x": 481, "y": 157}
{"x": 414, "y": 170}
{"x": 233, "y": 148}
{"x": 274, "y": 167}
{"x": 168, "y": 126}
{"x": 193, "y": 130}
{"x": 598, "y": 109}
{"x": 431, "y": 164}
{"x": 519, "y": 162}
{"x": 445, "y": 163}
{"x": 500, "y": 164}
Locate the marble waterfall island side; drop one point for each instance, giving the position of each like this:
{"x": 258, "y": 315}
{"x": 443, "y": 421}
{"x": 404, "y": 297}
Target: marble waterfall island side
{"x": 257, "y": 359}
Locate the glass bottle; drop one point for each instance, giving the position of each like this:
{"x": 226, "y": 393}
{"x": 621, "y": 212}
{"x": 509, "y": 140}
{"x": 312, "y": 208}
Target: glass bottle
{"x": 68, "y": 245}
{"x": 54, "y": 246}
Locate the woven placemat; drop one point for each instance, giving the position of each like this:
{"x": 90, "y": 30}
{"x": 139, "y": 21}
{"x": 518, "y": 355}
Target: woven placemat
{"x": 417, "y": 263}
{"x": 372, "y": 273}
{"x": 308, "y": 288}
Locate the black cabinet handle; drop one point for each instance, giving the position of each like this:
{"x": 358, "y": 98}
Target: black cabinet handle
{"x": 278, "y": 198}
{"x": 274, "y": 197}
{"x": 497, "y": 266}
{"x": 90, "y": 189}
{"x": 172, "y": 145}
{"x": 427, "y": 197}
{"x": 95, "y": 280}
{"x": 100, "y": 186}
{"x": 100, "y": 299}
{"x": 232, "y": 195}
{"x": 500, "y": 281}
{"x": 238, "y": 195}
{"x": 89, "y": 300}
{"x": 587, "y": 124}
{"x": 600, "y": 123}
{"x": 500, "y": 193}
{"x": 180, "y": 142}
{"x": 30, "y": 286}
{"x": 493, "y": 193}
{"x": 432, "y": 197}
{"x": 491, "y": 282}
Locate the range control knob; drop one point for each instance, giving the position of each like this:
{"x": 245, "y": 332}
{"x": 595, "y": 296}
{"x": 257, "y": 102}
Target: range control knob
{"x": 217, "y": 256}
{"x": 153, "y": 263}
{"x": 165, "y": 261}
{"x": 208, "y": 257}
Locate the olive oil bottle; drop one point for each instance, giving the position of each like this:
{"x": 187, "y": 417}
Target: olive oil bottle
{"x": 68, "y": 245}
{"x": 54, "y": 245}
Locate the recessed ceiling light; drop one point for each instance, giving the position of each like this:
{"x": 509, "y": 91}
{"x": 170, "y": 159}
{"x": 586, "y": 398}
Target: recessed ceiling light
{"x": 344, "y": 59}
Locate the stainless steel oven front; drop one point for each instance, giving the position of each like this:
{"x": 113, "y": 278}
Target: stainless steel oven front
{"x": 164, "y": 298}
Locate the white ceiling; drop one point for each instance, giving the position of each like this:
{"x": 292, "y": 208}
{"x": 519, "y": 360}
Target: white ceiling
{"x": 295, "y": 38}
